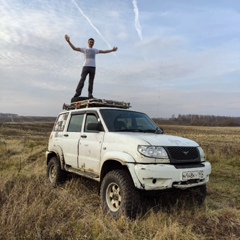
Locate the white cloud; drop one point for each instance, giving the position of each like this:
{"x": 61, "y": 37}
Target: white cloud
{"x": 114, "y": 14}
{"x": 183, "y": 60}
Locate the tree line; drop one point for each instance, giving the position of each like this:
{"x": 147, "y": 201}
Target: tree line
{"x": 8, "y": 115}
{"x": 200, "y": 120}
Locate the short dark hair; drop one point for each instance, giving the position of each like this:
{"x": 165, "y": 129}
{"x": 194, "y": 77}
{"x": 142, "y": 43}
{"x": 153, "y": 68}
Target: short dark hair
{"x": 90, "y": 39}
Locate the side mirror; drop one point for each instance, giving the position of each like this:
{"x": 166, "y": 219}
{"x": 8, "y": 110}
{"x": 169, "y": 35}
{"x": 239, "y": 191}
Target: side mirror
{"x": 159, "y": 130}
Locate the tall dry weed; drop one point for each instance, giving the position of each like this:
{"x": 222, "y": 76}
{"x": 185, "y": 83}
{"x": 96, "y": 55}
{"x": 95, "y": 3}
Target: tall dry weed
{"x": 31, "y": 209}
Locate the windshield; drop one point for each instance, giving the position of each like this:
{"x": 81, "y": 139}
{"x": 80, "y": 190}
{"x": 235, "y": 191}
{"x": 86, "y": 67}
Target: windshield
{"x": 128, "y": 121}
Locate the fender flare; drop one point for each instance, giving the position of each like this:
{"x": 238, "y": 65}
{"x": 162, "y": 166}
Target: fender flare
{"x": 57, "y": 150}
{"x": 126, "y": 160}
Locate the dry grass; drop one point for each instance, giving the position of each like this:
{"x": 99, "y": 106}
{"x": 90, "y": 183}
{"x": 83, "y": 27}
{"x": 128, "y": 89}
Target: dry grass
{"x": 31, "y": 209}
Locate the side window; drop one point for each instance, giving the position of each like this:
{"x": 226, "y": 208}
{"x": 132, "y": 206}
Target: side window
{"x": 91, "y": 118}
{"x": 60, "y": 123}
{"x": 75, "y": 124}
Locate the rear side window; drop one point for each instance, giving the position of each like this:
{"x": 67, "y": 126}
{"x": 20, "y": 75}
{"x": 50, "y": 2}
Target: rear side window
{"x": 75, "y": 124}
{"x": 60, "y": 122}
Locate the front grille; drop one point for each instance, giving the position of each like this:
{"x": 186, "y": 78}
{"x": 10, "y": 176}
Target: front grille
{"x": 183, "y": 154}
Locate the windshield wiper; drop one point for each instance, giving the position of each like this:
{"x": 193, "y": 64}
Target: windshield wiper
{"x": 157, "y": 130}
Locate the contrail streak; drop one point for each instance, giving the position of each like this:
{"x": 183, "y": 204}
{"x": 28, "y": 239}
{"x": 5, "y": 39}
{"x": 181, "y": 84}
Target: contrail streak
{"x": 90, "y": 22}
{"x": 137, "y": 24}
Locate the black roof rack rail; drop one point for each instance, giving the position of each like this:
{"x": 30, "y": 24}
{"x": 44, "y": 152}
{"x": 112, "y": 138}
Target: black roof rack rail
{"x": 87, "y": 103}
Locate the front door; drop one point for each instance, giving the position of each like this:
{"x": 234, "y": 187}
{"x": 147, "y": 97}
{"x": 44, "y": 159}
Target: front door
{"x": 90, "y": 146}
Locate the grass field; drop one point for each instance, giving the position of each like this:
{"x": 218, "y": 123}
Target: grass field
{"x": 31, "y": 209}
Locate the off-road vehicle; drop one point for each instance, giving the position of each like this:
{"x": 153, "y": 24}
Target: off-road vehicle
{"x": 125, "y": 152}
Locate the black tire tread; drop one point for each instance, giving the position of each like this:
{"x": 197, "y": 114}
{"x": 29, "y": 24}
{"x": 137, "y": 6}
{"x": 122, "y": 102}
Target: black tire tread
{"x": 60, "y": 174}
{"x": 199, "y": 193}
{"x": 130, "y": 195}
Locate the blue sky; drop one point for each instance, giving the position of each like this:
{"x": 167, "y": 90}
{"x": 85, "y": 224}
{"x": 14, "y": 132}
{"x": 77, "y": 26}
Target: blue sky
{"x": 174, "y": 56}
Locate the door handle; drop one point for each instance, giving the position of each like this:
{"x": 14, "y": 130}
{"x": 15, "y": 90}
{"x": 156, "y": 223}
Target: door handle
{"x": 65, "y": 135}
{"x": 84, "y": 136}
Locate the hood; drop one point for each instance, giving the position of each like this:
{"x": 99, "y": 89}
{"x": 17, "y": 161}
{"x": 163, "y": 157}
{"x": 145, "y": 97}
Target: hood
{"x": 155, "y": 139}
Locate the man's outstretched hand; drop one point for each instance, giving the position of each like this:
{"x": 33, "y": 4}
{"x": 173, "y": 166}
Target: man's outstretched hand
{"x": 114, "y": 49}
{"x": 67, "y": 38}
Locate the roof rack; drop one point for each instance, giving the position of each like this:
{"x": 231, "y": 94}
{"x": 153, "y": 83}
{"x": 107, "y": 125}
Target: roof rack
{"x": 87, "y": 103}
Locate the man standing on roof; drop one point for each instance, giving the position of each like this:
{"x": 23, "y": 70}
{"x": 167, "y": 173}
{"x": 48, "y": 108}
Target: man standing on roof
{"x": 89, "y": 65}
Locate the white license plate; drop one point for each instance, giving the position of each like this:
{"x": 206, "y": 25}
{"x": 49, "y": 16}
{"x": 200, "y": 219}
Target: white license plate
{"x": 192, "y": 175}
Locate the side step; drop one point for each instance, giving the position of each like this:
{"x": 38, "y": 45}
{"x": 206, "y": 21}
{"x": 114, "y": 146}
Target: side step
{"x": 90, "y": 175}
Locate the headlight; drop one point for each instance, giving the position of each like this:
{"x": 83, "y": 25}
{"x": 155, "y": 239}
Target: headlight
{"x": 202, "y": 155}
{"x": 153, "y": 151}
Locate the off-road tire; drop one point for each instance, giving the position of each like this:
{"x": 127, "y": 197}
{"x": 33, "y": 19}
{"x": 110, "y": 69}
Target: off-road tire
{"x": 198, "y": 194}
{"x": 119, "y": 195}
{"x": 55, "y": 174}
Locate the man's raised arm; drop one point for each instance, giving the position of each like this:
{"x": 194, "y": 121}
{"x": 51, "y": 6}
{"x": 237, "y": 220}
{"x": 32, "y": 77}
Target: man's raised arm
{"x": 108, "y": 51}
{"x": 67, "y": 38}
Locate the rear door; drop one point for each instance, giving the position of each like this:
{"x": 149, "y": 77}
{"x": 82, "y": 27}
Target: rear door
{"x": 71, "y": 138}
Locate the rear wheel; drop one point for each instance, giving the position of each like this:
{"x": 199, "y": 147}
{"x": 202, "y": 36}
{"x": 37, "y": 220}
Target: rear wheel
{"x": 55, "y": 174}
{"x": 119, "y": 195}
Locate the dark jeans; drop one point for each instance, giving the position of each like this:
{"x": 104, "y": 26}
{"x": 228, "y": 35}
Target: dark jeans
{"x": 86, "y": 71}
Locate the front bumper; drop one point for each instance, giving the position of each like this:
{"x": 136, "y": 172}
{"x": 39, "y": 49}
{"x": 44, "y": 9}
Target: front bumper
{"x": 165, "y": 176}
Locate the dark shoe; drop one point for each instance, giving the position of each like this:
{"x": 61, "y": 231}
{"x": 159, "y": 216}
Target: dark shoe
{"x": 90, "y": 96}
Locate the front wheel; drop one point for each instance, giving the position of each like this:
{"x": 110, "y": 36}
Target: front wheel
{"x": 119, "y": 195}
{"x": 55, "y": 174}
{"x": 199, "y": 193}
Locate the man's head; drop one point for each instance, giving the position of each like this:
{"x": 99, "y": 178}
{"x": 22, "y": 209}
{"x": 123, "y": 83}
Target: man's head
{"x": 90, "y": 42}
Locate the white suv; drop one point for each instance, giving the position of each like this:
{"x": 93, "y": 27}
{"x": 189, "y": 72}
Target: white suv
{"x": 126, "y": 152}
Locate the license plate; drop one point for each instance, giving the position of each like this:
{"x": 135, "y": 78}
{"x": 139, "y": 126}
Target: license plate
{"x": 192, "y": 175}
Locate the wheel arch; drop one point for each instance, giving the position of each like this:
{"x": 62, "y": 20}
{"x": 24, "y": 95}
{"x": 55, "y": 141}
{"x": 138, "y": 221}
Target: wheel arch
{"x": 60, "y": 157}
{"x": 115, "y": 160}
{"x": 111, "y": 164}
